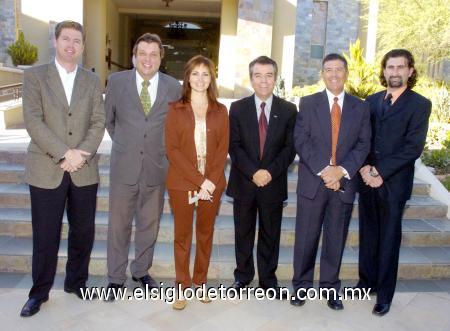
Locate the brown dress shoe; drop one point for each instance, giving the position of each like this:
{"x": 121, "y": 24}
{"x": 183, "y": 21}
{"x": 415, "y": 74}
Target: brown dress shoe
{"x": 179, "y": 304}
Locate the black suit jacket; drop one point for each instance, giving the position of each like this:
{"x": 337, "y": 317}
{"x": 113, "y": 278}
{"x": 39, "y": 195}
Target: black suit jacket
{"x": 398, "y": 140}
{"x": 244, "y": 149}
{"x": 312, "y": 137}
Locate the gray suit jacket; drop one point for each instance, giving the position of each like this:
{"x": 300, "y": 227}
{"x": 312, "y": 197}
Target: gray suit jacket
{"x": 138, "y": 140}
{"x": 55, "y": 127}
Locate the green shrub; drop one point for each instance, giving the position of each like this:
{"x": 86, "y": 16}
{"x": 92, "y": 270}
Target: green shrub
{"x": 446, "y": 142}
{"x": 446, "y": 182}
{"x": 439, "y": 159}
{"x": 22, "y": 52}
{"x": 362, "y": 79}
{"x": 299, "y": 92}
{"x": 439, "y": 94}
{"x": 437, "y": 135}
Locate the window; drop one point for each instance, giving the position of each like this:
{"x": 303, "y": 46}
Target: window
{"x": 319, "y": 29}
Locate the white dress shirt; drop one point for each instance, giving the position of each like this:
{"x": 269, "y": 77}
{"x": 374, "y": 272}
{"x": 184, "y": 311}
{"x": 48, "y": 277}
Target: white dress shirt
{"x": 67, "y": 79}
{"x": 267, "y": 108}
{"x": 331, "y": 97}
{"x": 152, "y": 88}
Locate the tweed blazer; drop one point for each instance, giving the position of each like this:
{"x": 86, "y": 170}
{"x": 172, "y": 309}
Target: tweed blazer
{"x": 55, "y": 126}
{"x": 183, "y": 173}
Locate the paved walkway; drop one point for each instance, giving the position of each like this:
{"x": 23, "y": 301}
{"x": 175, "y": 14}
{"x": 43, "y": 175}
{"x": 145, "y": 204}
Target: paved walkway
{"x": 418, "y": 305}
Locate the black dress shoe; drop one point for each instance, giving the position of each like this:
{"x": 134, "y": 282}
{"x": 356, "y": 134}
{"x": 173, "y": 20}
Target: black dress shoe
{"x": 112, "y": 291}
{"x": 296, "y": 301}
{"x": 77, "y": 291}
{"x": 279, "y": 294}
{"x": 237, "y": 285}
{"x": 31, "y": 307}
{"x": 354, "y": 290}
{"x": 360, "y": 285}
{"x": 381, "y": 309}
{"x": 146, "y": 280}
{"x": 335, "y": 304}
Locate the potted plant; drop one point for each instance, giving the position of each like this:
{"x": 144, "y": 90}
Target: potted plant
{"x": 22, "y": 52}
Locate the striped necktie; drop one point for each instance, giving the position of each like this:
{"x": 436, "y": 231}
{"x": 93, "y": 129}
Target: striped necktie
{"x": 262, "y": 126}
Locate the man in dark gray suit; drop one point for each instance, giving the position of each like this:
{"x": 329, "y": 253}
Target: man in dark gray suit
{"x": 136, "y": 105}
{"x": 332, "y": 139}
{"x": 65, "y": 118}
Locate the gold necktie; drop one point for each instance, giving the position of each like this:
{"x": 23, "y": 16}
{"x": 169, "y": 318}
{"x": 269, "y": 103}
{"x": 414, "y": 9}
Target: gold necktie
{"x": 335, "y": 124}
{"x": 145, "y": 97}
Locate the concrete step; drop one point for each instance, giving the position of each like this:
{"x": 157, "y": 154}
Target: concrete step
{"x": 14, "y": 174}
{"x": 416, "y": 232}
{"x": 415, "y": 262}
{"x": 17, "y": 196}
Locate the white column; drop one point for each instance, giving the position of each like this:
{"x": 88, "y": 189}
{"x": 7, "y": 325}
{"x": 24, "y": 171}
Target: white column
{"x": 372, "y": 31}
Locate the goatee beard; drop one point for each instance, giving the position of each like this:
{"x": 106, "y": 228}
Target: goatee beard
{"x": 395, "y": 83}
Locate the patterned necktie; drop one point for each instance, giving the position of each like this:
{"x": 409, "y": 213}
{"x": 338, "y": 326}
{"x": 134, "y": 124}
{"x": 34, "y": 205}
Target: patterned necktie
{"x": 145, "y": 97}
{"x": 386, "y": 104}
{"x": 335, "y": 124}
{"x": 262, "y": 126}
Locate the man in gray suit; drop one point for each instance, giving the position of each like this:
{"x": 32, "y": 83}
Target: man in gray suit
{"x": 136, "y": 105}
{"x": 65, "y": 118}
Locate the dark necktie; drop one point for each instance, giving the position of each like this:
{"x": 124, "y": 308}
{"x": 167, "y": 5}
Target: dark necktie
{"x": 387, "y": 102}
{"x": 335, "y": 124}
{"x": 262, "y": 126}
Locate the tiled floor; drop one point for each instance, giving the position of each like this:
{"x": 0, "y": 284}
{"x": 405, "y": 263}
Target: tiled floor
{"x": 418, "y": 305}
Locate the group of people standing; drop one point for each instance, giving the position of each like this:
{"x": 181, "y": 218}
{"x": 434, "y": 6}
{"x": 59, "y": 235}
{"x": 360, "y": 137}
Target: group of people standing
{"x": 165, "y": 135}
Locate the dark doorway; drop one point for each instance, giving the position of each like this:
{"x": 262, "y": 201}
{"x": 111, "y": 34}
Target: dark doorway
{"x": 182, "y": 37}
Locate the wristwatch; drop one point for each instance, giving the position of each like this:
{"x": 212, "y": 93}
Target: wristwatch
{"x": 373, "y": 172}
{"x": 344, "y": 172}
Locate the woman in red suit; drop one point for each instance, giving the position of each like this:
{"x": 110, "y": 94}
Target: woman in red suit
{"x": 197, "y": 136}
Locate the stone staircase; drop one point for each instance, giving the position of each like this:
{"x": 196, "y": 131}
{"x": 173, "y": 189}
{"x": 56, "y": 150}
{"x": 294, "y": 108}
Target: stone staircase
{"x": 425, "y": 250}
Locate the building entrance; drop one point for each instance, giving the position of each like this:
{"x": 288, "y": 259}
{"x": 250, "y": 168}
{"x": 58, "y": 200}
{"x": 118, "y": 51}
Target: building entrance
{"x": 183, "y": 37}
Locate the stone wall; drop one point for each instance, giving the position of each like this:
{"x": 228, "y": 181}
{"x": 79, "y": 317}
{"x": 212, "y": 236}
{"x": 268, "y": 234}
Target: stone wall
{"x": 254, "y": 38}
{"x": 342, "y": 24}
{"x": 302, "y": 71}
{"x": 7, "y": 28}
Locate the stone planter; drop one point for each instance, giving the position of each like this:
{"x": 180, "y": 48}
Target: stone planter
{"x": 23, "y": 66}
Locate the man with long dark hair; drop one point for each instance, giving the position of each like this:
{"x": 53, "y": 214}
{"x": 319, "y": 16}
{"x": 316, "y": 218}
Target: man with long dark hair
{"x": 399, "y": 119}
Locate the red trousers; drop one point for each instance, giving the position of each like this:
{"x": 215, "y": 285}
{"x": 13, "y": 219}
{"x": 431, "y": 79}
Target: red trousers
{"x": 204, "y": 229}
